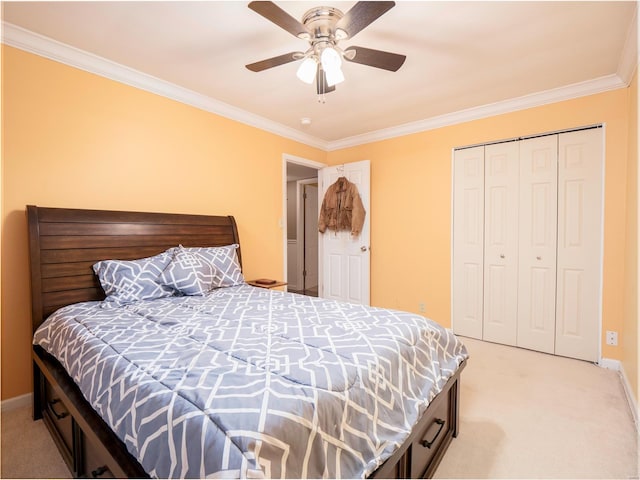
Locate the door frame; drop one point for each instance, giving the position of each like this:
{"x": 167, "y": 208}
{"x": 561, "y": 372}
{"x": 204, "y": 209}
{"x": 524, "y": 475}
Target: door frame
{"x": 286, "y": 159}
{"x": 300, "y": 246}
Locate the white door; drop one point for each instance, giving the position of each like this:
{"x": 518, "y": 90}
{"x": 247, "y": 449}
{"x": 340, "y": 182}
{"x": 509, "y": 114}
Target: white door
{"x": 501, "y": 242}
{"x": 310, "y": 273}
{"x": 346, "y": 259}
{"x": 537, "y": 243}
{"x": 580, "y": 175}
{"x": 468, "y": 242}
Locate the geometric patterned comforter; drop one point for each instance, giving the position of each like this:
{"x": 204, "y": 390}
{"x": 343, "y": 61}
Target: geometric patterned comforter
{"x": 252, "y": 382}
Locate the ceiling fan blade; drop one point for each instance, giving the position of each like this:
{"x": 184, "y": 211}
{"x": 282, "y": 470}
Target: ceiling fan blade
{"x": 275, "y": 61}
{"x": 321, "y": 82}
{"x": 361, "y": 15}
{"x": 374, "y": 58}
{"x": 275, "y": 14}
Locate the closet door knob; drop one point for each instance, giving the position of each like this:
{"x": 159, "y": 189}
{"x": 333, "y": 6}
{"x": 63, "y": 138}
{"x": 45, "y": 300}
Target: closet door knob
{"x": 502, "y": 255}
{"x": 538, "y": 258}
{"x": 363, "y": 248}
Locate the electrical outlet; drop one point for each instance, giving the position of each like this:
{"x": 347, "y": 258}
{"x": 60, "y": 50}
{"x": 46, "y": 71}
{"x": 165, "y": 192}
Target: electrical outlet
{"x": 422, "y": 307}
{"x": 612, "y": 338}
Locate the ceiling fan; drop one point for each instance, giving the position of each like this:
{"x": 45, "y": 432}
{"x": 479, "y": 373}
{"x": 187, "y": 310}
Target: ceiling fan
{"x": 323, "y": 28}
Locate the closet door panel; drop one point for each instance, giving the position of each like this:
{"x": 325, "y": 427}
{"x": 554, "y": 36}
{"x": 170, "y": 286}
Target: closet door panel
{"x": 501, "y": 243}
{"x": 468, "y": 241}
{"x": 580, "y": 175}
{"x": 537, "y": 243}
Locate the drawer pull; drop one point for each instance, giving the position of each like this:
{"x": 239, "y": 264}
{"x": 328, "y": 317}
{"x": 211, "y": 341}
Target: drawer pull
{"x": 427, "y": 443}
{"x": 99, "y": 471}
{"x": 59, "y": 416}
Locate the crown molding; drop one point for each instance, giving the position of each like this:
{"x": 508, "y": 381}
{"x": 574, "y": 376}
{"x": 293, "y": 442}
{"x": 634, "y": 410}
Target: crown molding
{"x": 29, "y": 41}
{"x": 26, "y": 40}
{"x": 590, "y": 87}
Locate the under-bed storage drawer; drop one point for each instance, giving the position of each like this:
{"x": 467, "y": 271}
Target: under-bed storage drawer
{"x": 420, "y": 456}
{"x": 83, "y": 457}
{"x": 430, "y": 438}
{"x": 56, "y": 414}
{"x": 89, "y": 447}
{"x": 94, "y": 465}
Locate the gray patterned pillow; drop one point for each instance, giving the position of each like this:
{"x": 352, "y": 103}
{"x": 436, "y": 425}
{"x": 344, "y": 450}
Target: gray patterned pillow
{"x": 198, "y": 270}
{"x": 127, "y": 281}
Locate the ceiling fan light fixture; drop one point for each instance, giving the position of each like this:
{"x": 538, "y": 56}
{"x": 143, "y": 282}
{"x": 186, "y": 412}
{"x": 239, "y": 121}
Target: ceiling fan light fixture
{"x": 330, "y": 59}
{"x": 331, "y": 62}
{"x": 307, "y": 70}
{"x": 341, "y": 34}
{"x": 324, "y": 27}
{"x": 334, "y": 76}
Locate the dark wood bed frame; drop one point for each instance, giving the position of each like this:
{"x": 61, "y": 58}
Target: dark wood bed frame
{"x": 63, "y": 246}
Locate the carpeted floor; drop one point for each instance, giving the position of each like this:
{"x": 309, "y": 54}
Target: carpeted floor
{"x": 524, "y": 415}
{"x": 27, "y": 449}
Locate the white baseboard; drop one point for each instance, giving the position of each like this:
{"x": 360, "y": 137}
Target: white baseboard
{"x": 17, "y": 402}
{"x": 610, "y": 364}
{"x": 631, "y": 398}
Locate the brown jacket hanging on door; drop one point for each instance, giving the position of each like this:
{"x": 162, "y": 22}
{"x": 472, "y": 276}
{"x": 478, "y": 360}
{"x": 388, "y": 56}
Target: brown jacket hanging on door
{"x": 342, "y": 208}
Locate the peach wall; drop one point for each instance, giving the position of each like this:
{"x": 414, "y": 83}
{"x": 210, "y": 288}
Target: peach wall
{"x": 630, "y": 330}
{"x": 74, "y": 139}
{"x": 411, "y": 202}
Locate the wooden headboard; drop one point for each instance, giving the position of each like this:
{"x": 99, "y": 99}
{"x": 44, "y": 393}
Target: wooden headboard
{"x": 65, "y": 243}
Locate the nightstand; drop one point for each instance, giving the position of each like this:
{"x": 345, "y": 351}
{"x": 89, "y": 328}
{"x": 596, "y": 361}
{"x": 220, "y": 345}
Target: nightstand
{"x": 266, "y": 283}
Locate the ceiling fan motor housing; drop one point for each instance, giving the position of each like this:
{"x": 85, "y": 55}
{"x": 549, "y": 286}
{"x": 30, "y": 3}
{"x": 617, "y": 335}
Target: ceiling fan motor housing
{"x": 320, "y": 23}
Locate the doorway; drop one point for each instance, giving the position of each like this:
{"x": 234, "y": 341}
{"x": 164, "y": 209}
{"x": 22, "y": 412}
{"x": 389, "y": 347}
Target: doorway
{"x": 307, "y": 226}
{"x": 301, "y": 226}
{"x": 343, "y": 259}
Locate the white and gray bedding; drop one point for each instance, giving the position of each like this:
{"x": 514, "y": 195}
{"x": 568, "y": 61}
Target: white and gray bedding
{"x": 251, "y": 382}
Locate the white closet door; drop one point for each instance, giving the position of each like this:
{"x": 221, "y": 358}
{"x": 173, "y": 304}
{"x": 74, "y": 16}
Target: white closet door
{"x": 580, "y": 175}
{"x": 501, "y": 243}
{"x": 468, "y": 242}
{"x": 537, "y": 243}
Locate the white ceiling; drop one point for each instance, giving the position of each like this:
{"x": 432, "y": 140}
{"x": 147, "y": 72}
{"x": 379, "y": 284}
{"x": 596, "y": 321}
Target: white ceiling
{"x": 460, "y": 55}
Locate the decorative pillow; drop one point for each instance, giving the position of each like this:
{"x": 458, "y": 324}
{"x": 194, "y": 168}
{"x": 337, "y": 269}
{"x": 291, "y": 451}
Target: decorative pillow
{"x": 127, "y": 281}
{"x": 198, "y": 270}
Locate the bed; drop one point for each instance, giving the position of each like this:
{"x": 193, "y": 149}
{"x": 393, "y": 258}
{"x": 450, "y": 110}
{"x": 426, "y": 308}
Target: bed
{"x": 278, "y": 385}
